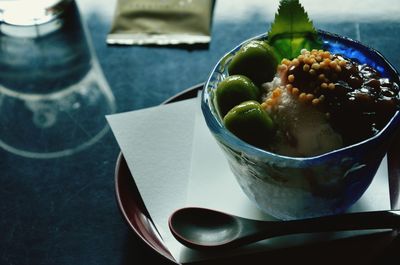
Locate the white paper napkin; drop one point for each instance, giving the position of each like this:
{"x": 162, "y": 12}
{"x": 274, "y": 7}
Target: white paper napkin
{"x": 176, "y": 162}
{"x": 157, "y": 146}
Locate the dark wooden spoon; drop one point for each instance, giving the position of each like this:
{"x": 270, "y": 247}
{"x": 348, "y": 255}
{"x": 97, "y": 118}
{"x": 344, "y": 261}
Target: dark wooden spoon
{"x": 208, "y": 229}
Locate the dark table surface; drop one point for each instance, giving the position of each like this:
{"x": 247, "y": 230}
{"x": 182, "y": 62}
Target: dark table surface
{"x": 63, "y": 210}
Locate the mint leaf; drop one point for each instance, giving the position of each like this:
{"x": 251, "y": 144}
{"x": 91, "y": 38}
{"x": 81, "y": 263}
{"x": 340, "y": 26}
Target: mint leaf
{"x": 292, "y": 31}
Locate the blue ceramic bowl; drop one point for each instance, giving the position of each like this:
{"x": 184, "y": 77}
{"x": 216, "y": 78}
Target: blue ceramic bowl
{"x": 291, "y": 187}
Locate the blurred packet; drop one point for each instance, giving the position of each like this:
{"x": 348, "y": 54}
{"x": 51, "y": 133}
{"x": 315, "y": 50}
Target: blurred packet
{"x": 161, "y": 22}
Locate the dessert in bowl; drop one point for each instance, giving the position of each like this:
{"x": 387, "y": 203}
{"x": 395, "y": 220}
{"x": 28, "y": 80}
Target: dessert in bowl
{"x": 304, "y": 150}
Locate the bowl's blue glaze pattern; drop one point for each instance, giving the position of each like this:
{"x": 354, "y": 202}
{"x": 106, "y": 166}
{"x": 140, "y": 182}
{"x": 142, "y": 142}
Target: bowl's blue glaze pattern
{"x": 292, "y": 187}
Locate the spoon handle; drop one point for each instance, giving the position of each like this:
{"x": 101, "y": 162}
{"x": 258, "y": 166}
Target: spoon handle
{"x": 342, "y": 222}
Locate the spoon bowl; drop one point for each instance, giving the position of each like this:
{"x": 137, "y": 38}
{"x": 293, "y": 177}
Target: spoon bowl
{"x": 202, "y": 228}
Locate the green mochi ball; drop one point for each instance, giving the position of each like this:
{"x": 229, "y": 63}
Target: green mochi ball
{"x": 234, "y": 90}
{"x": 256, "y": 60}
{"x": 251, "y": 123}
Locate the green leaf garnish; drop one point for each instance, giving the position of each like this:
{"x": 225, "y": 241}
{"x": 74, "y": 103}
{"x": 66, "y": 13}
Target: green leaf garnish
{"x": 292, "y": 31}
